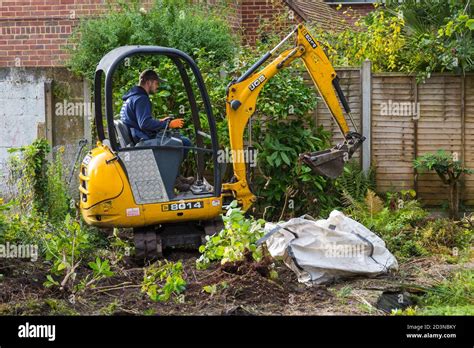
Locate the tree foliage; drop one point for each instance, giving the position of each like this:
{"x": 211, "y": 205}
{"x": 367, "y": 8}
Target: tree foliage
{"x": 412, "y": 36}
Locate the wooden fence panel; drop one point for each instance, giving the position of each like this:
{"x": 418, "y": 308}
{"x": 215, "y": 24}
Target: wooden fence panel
{"x": 392, "y": 132}
{"x": 409, "y": 120}
{"x": 468, "y": 191}
{"x": 439, "y": 127}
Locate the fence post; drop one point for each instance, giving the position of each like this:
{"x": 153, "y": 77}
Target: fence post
{"x": 366, "y": 105}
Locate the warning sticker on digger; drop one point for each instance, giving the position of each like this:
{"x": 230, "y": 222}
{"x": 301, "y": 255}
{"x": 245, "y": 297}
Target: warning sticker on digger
{"x": 133, "y": 212}
{"x": 182, "y": 206}
{"x": 86, "y": 160}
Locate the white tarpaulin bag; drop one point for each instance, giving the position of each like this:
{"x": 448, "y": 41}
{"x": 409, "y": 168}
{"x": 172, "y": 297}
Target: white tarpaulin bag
{"x": 324, "y": 250}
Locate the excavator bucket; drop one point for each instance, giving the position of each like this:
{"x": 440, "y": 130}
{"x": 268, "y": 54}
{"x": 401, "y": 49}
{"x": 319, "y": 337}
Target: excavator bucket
{"x": 331, "y": 162}
{"x": 328, "y": 163}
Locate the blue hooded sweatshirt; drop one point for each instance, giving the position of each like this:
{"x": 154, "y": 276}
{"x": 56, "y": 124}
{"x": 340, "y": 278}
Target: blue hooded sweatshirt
{"x": 136, "y": 114}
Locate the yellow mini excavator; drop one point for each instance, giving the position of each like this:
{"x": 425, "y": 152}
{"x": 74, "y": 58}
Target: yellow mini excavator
{"x": 131, "y": 185}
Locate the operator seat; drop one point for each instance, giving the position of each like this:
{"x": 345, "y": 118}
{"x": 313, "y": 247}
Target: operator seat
{"x": 124, "y": 135}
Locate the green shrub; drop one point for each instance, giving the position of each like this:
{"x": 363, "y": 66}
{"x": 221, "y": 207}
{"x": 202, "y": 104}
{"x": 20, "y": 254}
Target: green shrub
{"x": 412, "y": 248}
{"x": 164, "y": 279}
{"x": 169, "y": 23}
{"x": 377, "y": 37}
{"x": 395, "y": 226}
{"x": 65, "y": 247}
{"x": 68, "y": 246}
{"x": 40, "y": 185}
{"x": 354, "y": 183}
{"x": 28, "y": 167}
{"x": 57, "y": 190}
{"x": 373, "y": 214}
{"x": 21, "y": 228}
{"x": 299, "y": 191}
{"x": 410, "y": 36}
{"x": 405, "y": 227}
{"x": 449, "y": 169}
{"x": 446, "y": 237}
{"x": 236, "y": 239}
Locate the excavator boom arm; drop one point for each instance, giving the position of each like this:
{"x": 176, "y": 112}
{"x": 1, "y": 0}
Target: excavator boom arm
{"x": 241, "y": 103}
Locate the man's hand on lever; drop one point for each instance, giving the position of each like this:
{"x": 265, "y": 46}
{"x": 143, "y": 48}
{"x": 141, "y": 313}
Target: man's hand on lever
{"x": 174, "y": 123}
{"x": 178, "y": 123}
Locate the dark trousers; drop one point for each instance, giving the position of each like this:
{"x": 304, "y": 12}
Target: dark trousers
{"x": 186, "y": 142}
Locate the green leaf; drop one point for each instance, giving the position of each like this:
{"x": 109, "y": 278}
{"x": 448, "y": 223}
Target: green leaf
{"x": 285, "y": 158}
{"x": 470, "y": 24}
{"x": 164, "y": 93}
{"x": 50, "y": 281}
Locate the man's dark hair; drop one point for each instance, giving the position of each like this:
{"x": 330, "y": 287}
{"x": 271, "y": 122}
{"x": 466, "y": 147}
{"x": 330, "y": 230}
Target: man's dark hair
{"x": 148, "y": 75}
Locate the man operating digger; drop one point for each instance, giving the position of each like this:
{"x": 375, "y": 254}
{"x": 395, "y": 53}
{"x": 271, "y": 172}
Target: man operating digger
{"x": 137, "y": 115}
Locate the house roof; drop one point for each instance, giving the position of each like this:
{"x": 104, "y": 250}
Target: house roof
{"x": 319, "y": 12}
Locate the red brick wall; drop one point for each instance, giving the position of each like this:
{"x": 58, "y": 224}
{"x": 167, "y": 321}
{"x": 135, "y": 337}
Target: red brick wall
{"x": 246, "y": 16}
{"x": 33, "y": 32}
{"x": 256, "y": 12}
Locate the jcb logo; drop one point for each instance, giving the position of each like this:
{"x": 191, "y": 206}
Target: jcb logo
{"x": 257, "y": 82}
{"x": 310, "y": 40}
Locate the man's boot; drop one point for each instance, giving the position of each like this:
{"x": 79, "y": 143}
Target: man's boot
{"x": 181, "y": 186}
{"x": 189, "y": 180}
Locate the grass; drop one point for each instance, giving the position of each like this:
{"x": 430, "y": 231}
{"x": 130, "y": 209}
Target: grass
{"x": 453, "y": 296}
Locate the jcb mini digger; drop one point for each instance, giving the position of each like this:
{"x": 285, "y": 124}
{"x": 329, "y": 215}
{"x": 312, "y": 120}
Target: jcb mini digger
{"x": 123, "y": 184}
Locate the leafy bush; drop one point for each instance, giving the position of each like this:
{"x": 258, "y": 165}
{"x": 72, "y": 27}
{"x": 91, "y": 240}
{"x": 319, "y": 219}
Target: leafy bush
{"x": 21, "y": 228}
{"x": 164, "y": 279}
{"x": 354, "y": 184}
{"x": 443, "y": 236}
{"x": 238, "y": 237}
{"x": 65, "y": 247}
{"x": 28, "y": 174}
{"x": 299, "y": 191}
{"x": 169, "y": 23}
{"x": 413, "y": 36}
{"x": 373, "y": 214}
{"x": 405, "y": 227}
{"x": 438, "y": 34}
{"x": 377, "y": 37}
{"x": 58, "y": 197}
{"x": 40, "y": 185}
{"x": 282, "y": 129}
{"x": 394, "y": 226}
{"x": 449, "y": 170}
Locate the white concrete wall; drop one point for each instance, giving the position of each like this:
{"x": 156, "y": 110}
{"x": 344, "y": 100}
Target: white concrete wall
{"x": 22, "y": 107}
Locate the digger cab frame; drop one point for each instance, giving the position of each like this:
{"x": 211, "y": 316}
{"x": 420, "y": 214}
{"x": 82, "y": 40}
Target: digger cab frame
{"x": 109, "y": 64}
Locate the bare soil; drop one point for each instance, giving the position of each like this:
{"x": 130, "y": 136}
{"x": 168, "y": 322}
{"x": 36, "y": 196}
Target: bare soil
{"x": 243, "y": 288}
